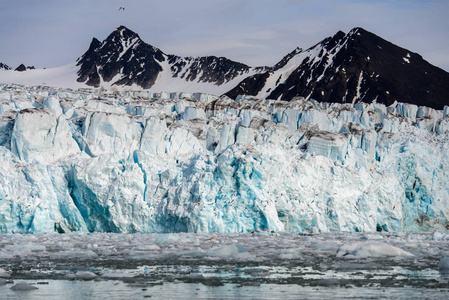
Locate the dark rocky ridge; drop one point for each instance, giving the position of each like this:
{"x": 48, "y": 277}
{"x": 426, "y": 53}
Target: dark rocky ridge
{"x": 4, "y": 66}
{"x": 125, "y": 55}
{"x": 217, "y": 70}
{"x": 353, "y": 67}
{"x": 122, "y": 53}
{"x": 22, "y": 68}
{"x": 358, "y": 66}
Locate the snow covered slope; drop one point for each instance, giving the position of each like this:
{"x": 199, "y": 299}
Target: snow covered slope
{"x": 89, "y": 160}
{"x": 64, "y": 76}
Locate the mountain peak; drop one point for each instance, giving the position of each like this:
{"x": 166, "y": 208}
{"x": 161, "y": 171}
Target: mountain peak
{"x": 4, "y": 66}
{"x": 121, "y": 54}
{"x": 125, "y": 32}
{"x": 126, "y": 59}
{"x": 349, "y": 68}
{"x": 22, "y": 68}
{"x": 353, "y": 67}
{"x": 357, "y": 30}
{"x": 95, "y": 43}
{"x": 122, "y": 27}
{"x": 121, "y": 37}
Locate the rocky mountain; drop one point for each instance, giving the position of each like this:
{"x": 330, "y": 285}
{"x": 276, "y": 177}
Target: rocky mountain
{"x": 124, "y": 59}
{"x": 22, "y": 68}
{"x": 4, "y": 66}
{"x": 353, "y": 67}
{"x": 345, "y": 68}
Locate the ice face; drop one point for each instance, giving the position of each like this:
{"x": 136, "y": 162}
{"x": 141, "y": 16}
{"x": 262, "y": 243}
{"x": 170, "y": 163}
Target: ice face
{"x": 107, "y": 161}
{"x": 38, "y": 135}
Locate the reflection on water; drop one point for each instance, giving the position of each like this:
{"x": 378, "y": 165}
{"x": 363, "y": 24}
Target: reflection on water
{"x": 64, "y": 289}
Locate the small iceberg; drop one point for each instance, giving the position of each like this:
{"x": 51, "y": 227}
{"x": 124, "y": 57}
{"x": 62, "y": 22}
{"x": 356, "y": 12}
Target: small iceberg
{"x": 443, "y": 265}
{"x": 85, "y": 275}
{"x": 4, "y": 274}
{"x": 370, "y": 249}
{"x": 23, "y": 286}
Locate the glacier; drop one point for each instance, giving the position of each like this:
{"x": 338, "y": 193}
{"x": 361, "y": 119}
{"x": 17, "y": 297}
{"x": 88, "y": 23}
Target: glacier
{"x": 134, "y": 161}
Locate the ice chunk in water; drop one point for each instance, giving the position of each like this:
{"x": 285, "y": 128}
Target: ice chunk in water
{"x": 444, "y": 264}
{"x": 111, "y": 275}
{"x": 438, "y": 236}
{"x": 23, "y": 286}
{"x": 174, "y": 238}
{"x": 85, "y": 275}
{"x": 370, "y": 249}
{"x": 230, "y": 250}
{"x": 4, "y": 274}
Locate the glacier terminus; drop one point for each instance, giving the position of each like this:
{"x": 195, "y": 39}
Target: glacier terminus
{"x": 122, "y": 161}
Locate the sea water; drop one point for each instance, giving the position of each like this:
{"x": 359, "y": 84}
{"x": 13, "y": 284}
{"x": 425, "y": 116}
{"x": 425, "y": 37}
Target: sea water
{"x": 258, "y": 265}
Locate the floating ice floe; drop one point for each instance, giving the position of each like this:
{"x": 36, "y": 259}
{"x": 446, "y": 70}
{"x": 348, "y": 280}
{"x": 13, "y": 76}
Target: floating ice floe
{"x": 85, "y": 275}
{"x": 23, "y": 286}
{"x": 4, "y": 274}
{"x": 370, "y": 249}
{"x": 231, "y": 250}
{"x": 443, "y": 265}
{"x": 440, "y": 236}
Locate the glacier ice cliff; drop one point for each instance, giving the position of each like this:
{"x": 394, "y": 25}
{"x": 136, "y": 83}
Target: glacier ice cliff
{"x": 106, "y": 161}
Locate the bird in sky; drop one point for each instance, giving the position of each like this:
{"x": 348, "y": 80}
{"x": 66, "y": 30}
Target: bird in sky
{"x": 121, "y": 8}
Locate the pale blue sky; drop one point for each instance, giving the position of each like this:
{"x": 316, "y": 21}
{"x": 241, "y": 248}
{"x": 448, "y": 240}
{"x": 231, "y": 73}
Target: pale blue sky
{"x": 49, "y": 33}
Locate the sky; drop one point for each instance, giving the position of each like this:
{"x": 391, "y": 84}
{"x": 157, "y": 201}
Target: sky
{"x": 51, "y": 33}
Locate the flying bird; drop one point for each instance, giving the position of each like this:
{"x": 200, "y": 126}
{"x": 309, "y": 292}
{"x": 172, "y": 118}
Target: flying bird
{"x": 121, "y": 8}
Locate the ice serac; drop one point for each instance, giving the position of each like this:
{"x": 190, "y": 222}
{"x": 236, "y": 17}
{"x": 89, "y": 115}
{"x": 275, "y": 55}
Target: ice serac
{"x": 109, "y": 161}
{"x": 38, "y": 135}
